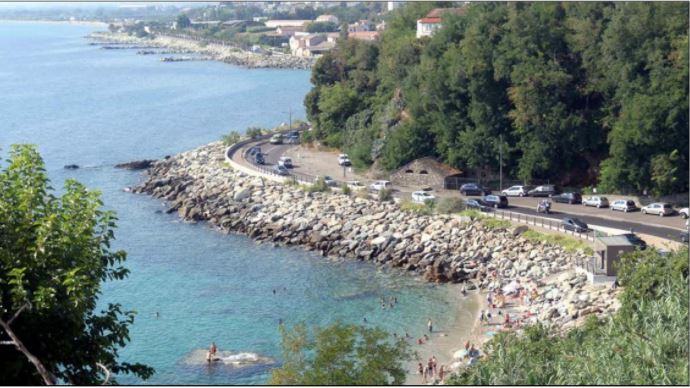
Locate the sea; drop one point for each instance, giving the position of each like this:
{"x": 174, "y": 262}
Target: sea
{"x": 189, "y": 284}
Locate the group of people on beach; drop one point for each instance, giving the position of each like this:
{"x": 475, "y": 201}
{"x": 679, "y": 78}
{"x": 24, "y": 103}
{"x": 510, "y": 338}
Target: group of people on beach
{"x": 498, "y": 302}
{"x": 430, "y": 371}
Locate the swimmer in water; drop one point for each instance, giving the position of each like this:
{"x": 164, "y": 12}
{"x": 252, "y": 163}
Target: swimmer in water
{"x": 274, "y": 291}
{"x": 212, "y": 350}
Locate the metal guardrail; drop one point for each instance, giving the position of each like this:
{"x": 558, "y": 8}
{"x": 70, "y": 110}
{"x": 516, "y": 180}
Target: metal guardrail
{"x": 547, "y": 223}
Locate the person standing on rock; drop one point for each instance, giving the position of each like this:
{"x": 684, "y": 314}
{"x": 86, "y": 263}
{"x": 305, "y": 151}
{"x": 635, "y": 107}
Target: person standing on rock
{"x": 430, "y": 325}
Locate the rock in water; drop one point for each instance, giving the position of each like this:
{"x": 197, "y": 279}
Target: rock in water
{"x": 71, "y": 167}
{"x": 136, "y": 165}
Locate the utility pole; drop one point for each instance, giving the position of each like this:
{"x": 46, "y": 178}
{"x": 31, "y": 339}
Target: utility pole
{"x": 290, "y": 111}
{"x": 500, "y": 162}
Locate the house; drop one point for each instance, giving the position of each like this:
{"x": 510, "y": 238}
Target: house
{"x": 311, "y": 45}
{"x": 286, "y": 23}
{"x": 608, "y": 251}
{"x": 424, "y": 172}
{"x": 427, "y": 25}
{"x": 360, "y": 25}
{"x": 393, "y": 5}
{"x": 326, "y": 19}
{"x": 204, "y": 24}
{"x": 369, "y": 36}
{"x": 288, "y": 31}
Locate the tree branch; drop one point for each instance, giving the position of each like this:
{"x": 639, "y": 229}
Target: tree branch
{"x": 107, "y": 373}
{"x": 16, "y": 314}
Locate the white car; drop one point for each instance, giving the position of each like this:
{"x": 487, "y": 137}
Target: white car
{"x": 658, "y": 208}
{"x": 344, "y": 160}
{"x": 329, "y": 181}
{"x": 285, "y": 162}
{"x": 380, "y": 185}
{"x": 515, "y": 191}
{"x": 355, "y": 185}
{"x": 596, "y": 201}
{"x": 624, "y": 205}
{"x": 683, "y": 213}
{"x": 422, "y": 197}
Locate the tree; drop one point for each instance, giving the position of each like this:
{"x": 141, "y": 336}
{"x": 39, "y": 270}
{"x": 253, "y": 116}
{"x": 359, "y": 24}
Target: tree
{"x": 183, "y": 21}
{"x": 340, "y": 354}
{"x": 321, "y": 27}
{"x": 54, "y": 255}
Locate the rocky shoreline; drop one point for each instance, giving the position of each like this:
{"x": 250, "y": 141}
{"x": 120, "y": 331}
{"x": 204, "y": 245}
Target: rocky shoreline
{"x": 226, "y": 54}
{"x": 200, "y": 186}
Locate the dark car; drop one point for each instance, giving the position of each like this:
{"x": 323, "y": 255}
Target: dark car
{"x": 478, "y": 204}
{"x": 571, "y": 198}
{"x": 259, "y": 158}
{"x": 496, "y": 201}
{"x": 254, "y": 150}
{"x": 635, "y": 240}
{"x": 473, "y": 189}
{"x": 574, "y": 224}
{"x": 280, "y": 170}
{"x": 543, "y": 191}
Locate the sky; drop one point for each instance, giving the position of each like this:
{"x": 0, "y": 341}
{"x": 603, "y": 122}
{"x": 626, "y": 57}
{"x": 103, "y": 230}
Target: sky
{"x": 66, "y": 4}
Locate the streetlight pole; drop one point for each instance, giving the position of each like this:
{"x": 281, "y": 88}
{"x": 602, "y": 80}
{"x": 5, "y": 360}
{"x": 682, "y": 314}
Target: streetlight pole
{"x": 500, "y": 162}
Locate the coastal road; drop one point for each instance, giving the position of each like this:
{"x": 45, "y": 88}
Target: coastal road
{"x": 664, "y": 227}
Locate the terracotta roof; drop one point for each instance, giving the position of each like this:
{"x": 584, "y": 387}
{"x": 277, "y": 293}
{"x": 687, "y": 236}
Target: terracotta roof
{"x": 435, "y": 15}
{"x": 363, "y": 35}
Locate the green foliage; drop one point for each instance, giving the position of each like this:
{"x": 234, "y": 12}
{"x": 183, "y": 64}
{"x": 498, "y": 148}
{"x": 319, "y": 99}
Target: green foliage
{"x": 645, "y": 343}
{"x": 183, "y": 21}
{"x": 321, "y": 27}
{"x": 493, "y": 223}
{"x": 426, "y": 208}
{"x": 340, "y": 354}
{"x": 570, "y": 244}
{"x": 473, "y": 214}
{"x": 581, "y": 94}
{"x": 449, "y": 205}
{"x": 319, "y": 186}
{"x": 254, "y": 132}
{"x": 347, "y": 190}
{"x": 54, "y": 254}
{"x": 231, "y": 138}
{"x": 385, "y": 195}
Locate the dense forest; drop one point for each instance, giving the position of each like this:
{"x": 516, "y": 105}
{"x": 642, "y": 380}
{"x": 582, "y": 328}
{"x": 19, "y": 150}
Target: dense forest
{"x": 582, "y": 94}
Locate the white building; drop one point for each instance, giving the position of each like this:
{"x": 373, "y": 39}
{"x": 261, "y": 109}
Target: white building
{"x": 286, "y": 23}
{"x": 427, "y": 25}
{"x": 327, "y": 18}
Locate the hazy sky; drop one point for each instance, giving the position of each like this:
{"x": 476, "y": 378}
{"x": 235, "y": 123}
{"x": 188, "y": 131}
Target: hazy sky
{"x": 66, "y": 4}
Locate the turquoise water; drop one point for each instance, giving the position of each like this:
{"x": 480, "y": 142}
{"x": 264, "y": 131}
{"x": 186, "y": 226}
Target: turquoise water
{"x": 93, "y": 107}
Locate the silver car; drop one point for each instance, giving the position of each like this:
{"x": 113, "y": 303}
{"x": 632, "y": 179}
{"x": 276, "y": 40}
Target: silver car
{"x": 596, "y": 201}
{"x": 624, "y": 205}
{"x": 658, "y": 208}
{"x": 516, "y": 191}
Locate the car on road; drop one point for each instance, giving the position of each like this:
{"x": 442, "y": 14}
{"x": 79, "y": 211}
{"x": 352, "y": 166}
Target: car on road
{"x": 422, "y": 197}
{"x": 344, "y": 160}
{"x": 574, "y": 224}
{"x": 329, "y": 181}
{"x": 571, "y": 198}
{"x": 355, "y": 185}
{"x": 380, "y": 185}
{"x": 658, "y": 208}
{"x": 597, "y": 201}
{"x": 543, "y": 191}
{"x": 624, "y": 205}
{"x": 478, "y": 204}
{"x": 496, "y": 201}
{"x": 635, "y": 240}
{"x": 276, "y": 139}
{"x": 280, "y": 170}
{"x": 254, "y": 150}
{"x": 683, "y": 213}
{"x": 259, "y": 158}
{"x": 516, "y": 191}
{"x": 473, "y": 189}
{"x": 285, "y": 162}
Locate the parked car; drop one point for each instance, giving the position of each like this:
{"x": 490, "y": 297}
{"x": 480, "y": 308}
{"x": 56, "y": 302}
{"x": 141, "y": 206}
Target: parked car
{"x": 473, "y": 189}
{"x": 597, "y": 201}
{"x": 329, "y": 181}
{"x": 635, "y": 240}
{"x": 344, "y": 160}
{"x": 516, "y": 191}
{"x": 574, "y": 224}
{"x": 624, "y": 205}
{"x": 355, "y": 185}
{"x": 543, "y": 191}
{"x": 285, "y": 162}
{"x": 658, "y": 208}
{"x": 496, "y": 201}
{"x": 259, "y": 158}
{"x": 280, "y": 170}
{"x": 683, "y": 213}
{"x": 422, "y": 197}
{"x": 478, "y": 204}
{"x": 380, "y": 185}
{"x": 571, "y": 198}
{"x": 276, "y": 139}
{"x": 292, "y": 139}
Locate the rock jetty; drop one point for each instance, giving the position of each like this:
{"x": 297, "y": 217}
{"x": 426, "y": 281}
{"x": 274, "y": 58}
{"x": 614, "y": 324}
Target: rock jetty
{"x": 213, "y": 51}
{"x": 200, "y": 186}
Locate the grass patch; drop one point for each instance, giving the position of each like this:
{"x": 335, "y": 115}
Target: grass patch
{"x": 570, "y": 244}
{"x": 472, "y": 214}
{"x": 426, "y": 208}
{"x": 493, "y": 223}
{"x": 450, "y": 205}
{"x": 319, "y": 186}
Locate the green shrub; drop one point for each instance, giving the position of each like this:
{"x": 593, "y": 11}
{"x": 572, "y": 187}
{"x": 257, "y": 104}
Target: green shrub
{"x": 472, "y": 214}
{"x": 254, "y": 132}
{"x": 450, "y": 205}
{"x": 347, "y": 190}
{"x": 426, "y": 208}
{"x": 319, "y": 186}
{"x": 362, "y": 193}
{"x": 570, "y": 244}
{"x": 231, "y": 138}
{"x": 493, "y": 223}
{"x": 385, "y": 195}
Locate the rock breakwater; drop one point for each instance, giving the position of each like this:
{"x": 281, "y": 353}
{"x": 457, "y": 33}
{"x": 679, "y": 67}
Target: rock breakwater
{"x": 200, "y": 186}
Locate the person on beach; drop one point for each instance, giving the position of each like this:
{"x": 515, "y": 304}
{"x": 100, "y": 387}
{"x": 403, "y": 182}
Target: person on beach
{"x": 441, "y": 373}
{"x": 430, "y": 325}
{"x": 430, "y": 368}
{"x": 211, "y": 352}
{"x": 420, "y": 341}
{"x": 482, "y": 317}
{"x": 426, "y": 337}
{"x": 467, "y": 345}
{"x": 420, "y": 368}
{"x": 433, "y": 364}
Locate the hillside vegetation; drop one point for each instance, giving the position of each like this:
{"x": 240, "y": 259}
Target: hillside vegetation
{"x": 580, "y": 93}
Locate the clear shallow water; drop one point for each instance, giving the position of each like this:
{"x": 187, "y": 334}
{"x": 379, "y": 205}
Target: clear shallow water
{"x": 93, "y": 107}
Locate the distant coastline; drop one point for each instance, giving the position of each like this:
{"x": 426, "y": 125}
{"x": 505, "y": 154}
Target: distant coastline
{"x": 93, "y": 23}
